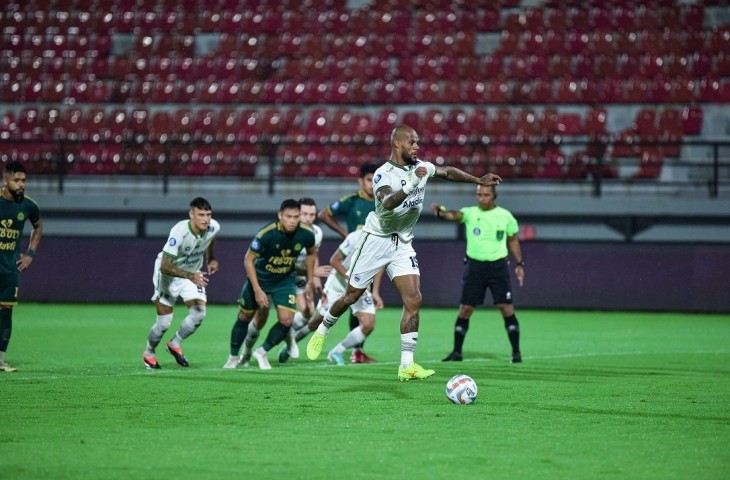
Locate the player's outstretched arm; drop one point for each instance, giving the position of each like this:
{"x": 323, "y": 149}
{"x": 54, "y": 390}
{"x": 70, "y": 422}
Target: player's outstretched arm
{"x": 326, "y": 217}
{"x": 444, "y": 214}
{"x": 454, "y": 174}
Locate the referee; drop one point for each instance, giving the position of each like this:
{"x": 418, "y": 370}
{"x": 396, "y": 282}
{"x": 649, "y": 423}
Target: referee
{"x": 490, "y": 230}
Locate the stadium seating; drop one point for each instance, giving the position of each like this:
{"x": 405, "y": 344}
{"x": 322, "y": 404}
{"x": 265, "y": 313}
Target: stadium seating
{"x": 225, "y": 75}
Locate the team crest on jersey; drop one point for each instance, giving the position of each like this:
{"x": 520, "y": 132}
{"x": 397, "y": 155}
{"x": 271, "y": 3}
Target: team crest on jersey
{"x": 500, "y": 234}
{"x": 172, "y": 242}
{"x": 298, "y": 246}
{"x": 477, "y": 232}
{"x": 21, "y": 216}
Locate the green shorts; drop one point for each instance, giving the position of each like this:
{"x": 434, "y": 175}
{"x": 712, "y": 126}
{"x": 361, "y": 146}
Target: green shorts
{"x": 283, "y": 295}
{"x": 9, "y": 288}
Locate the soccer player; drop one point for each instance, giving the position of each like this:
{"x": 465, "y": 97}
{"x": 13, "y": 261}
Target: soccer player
{"x": 177, "y": 274}
{"x": 270, "y": 267}
{"x": 399, "y": 187}
{"x": 305, "y": 306}
{"x": 15, "y": 209}
{"x": 355, "y": 207}
{"x": 363, "y": 309}
{"x": 490, "y": 230}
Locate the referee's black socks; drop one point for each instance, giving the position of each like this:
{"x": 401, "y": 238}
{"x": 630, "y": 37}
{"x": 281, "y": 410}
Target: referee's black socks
{"x": 513, "y": 333}
{"x": 460, "y": 329}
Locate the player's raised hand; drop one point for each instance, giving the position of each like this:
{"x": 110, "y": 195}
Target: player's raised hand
{"x": 490, "y": 179}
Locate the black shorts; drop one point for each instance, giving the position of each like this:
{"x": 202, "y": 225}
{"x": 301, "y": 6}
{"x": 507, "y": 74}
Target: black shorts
{"x": 480, "y": 276}
{"x": 9, "y": 288}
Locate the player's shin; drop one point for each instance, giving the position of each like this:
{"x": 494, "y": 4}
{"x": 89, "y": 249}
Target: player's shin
{"x": 276, "y": 335}
{"x": 354, "y": 338}
{"x": 238, "y": 334}
{"x": 161, "y": 325}
{"x": 407, "y": 348}
{"x": 190, "y": 324}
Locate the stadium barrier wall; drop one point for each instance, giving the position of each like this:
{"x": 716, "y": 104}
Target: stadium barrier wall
{"x": 565, "y": 275}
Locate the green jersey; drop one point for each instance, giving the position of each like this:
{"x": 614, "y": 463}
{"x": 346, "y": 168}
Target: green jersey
{"x": 12, "y": 220}
{"x": 487, "y": 232}
{"x": 277, "y": 252}
{"x": 355, "y": 207}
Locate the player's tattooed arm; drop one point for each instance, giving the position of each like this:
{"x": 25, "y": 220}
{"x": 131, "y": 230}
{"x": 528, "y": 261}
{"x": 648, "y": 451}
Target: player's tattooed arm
{"x": 456, "y": 175}
{"x": 169, "y": 268}
{"x": 390, "y": 198}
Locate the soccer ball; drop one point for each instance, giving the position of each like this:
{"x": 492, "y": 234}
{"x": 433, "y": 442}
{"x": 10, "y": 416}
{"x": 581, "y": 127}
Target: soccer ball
{"x": 461, "y": 389}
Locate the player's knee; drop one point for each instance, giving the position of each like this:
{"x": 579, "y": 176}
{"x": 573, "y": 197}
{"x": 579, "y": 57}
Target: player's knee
{"x": 351, "y": 297}
{"x": 412, "y": 301}
{"x": 367, "y": 326}
{"x": 197, "y": 314}
{"x": 506, "y": 309}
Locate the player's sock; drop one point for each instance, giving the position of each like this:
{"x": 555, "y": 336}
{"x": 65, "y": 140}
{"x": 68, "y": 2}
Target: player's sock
{"x": 354, "y": 323}
{"x": 276, "y": 334}
{"x": 354, "y": 338}
{"x": 238, "y": 334}
{"x": 252, "y": 335}
{"x": 299, "y": 321}
{"x": 513, "y": 333}
{"x": 302, "y": 332}
{"x": 162, "y": 323}
{"x": 328, "y": 322}
{"x": 407, "y": 348}
{"x": 196, "y": 314}
{"x": 6, "y": 328}
{"x": 460, "y": 329}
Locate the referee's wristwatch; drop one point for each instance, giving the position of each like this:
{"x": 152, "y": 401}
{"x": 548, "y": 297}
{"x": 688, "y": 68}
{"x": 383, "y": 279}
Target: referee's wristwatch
{"x": 520, "y": 264}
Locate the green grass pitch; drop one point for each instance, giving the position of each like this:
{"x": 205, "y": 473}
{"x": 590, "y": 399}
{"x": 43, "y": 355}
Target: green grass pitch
{"x": 599, "y": 395}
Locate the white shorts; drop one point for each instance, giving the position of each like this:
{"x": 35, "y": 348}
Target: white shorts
{"x": 168, "y": 289}
{"x": 364, "y": 304}
{"x": 373, "y": 253}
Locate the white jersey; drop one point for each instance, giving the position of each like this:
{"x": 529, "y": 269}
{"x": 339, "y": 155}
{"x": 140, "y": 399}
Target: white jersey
{"x": 401, "y": 220}
{"x": 187, "y": 249}
{"x": 301, "y": 263}
{"x": 336, "y": 282}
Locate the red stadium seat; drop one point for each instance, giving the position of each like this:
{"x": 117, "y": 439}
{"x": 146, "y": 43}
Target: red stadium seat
{"x": 646, "y": 125}
{"x": 552, "y": 165}
{"x": 250, "y": 126}
{"x": 650, "y": 165}
{"x": 692, "y": 118}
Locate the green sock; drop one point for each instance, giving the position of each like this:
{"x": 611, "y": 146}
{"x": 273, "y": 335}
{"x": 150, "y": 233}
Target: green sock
{"x": 276, "y": 334}
{"x": 238, "y": 335}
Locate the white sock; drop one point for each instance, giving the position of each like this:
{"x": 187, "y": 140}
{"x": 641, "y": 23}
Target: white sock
{"x": 323, "y": 329}
{"x": 355, "y": 337}
{"x": 299, "y": 321}
{"x": 407, "y": 348}
{"x": 302, "y": 332}
{"x": 251, "y": 335}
